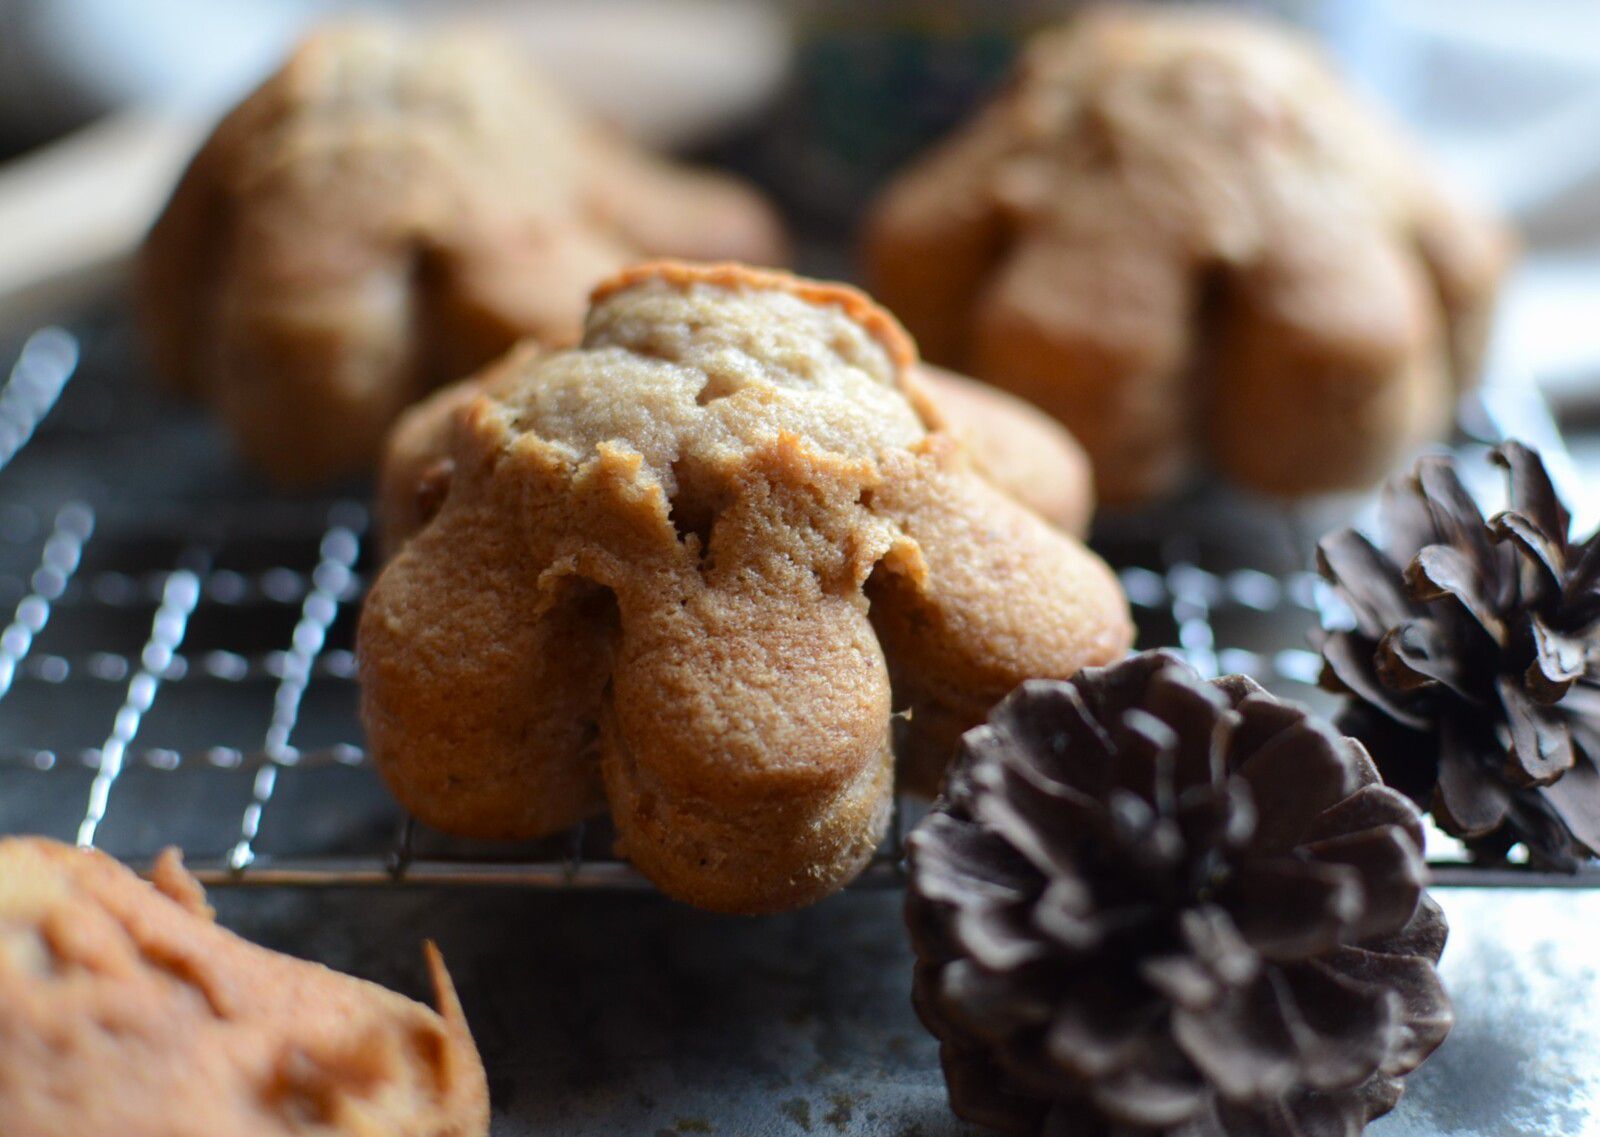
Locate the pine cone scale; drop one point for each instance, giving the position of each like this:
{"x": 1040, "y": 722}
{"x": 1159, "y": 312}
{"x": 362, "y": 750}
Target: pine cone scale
{"x": 1291, "y": 909}
{"x": 1025, "y": 812}
{"x": 1443, "y": 571}
{"x": 1560, "y": 661}
{"x": 1541, "y": 744}
{"x": 1424, "y": 936}
{"x": 1348, "y": 666}
{"x": 1059, "y": 716}
{"x": 1456, "y": 517}
{"x": 979, "y": 1082}
{"x": 1066, "y": 915}
{"x": 1389, "y": 874}
{"x": 1576, "y": 800}
{"x": 1542, "y": 551}
{"x": 1415, "y": 981}
{"x": 1369, "y": 808}
{"x": 1136, "y": 1099}
{"x": 1582, "y": 592}
{"x": 1293, "y": 779}
{"x": 1466, "y": 803}
{"x": 968, "y": 862}
{"x": 1333, "y": 1019}
{"x": 1532, "y": 495}
{"x": 1243, "y": 1047}
{"x": 1377, "y": 593}
{"x": 1412, "y": 657}
{"x": 1099, "y": 1028}
{"x": 1189, "y": 985}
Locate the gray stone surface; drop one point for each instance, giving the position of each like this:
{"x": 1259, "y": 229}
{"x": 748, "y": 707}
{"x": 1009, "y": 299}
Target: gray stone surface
{"x": 628, "y": 1014}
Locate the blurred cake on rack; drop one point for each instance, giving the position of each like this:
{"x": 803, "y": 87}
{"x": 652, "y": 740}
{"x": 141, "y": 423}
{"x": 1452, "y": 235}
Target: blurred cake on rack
{"x": 688, "y": 571}
{"x": 389, "y": 211}
{"x": 1179, "y": 233}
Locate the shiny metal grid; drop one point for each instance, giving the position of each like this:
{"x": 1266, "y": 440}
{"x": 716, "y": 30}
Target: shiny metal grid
{"x": 178, "y": 663}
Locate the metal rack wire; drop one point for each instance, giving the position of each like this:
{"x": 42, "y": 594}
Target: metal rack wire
{"x": 178, "y": 663}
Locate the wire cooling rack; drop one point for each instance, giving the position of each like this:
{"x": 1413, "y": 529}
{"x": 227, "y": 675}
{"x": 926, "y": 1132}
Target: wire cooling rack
{"x": 178, "y": 663}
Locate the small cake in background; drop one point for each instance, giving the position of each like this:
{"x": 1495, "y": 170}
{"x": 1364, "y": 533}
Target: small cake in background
{"x": 687, "y": 571}
{"x": 1473, "y": 668}
{"x": 1148, "y": 903}
{"x": 1180, "y": 234}
{"x": 389, "y": 212}
{"x": 126, "y": 1012}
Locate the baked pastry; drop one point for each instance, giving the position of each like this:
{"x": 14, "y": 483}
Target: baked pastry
{"x": 126, "y": 1012}
{"x": 1180, "y": 234}
{"x": 1018, "y": 448}
{"x": 673, "y": 570}
{"x": 388, "y": 212}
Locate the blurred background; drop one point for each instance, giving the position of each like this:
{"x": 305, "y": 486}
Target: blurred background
{"x": 818, "y": 100}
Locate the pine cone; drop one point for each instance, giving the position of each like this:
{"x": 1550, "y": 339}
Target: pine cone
{"x": 1474, "y": 665}
{"x": 1149, "y": 904}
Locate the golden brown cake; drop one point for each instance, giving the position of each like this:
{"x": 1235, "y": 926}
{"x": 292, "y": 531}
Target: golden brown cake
{"x": 672, "y": 571}
{"x": 387, "y": 213}
{"x": 126, "y": 1012}
{"x": 1180, "y": 234}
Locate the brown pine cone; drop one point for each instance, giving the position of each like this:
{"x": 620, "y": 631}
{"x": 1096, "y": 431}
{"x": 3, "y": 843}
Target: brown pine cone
{"x": 1151, "y": 904}
{"x": 1474, "y": 665}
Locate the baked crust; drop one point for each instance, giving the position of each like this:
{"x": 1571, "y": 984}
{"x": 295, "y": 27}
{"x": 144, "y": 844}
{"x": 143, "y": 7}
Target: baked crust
{"x": 387, "y": 213}
{"x": 672, "y": 571}
{"x": 1179, "y": 233}
{"x": 126, "y": 1012}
